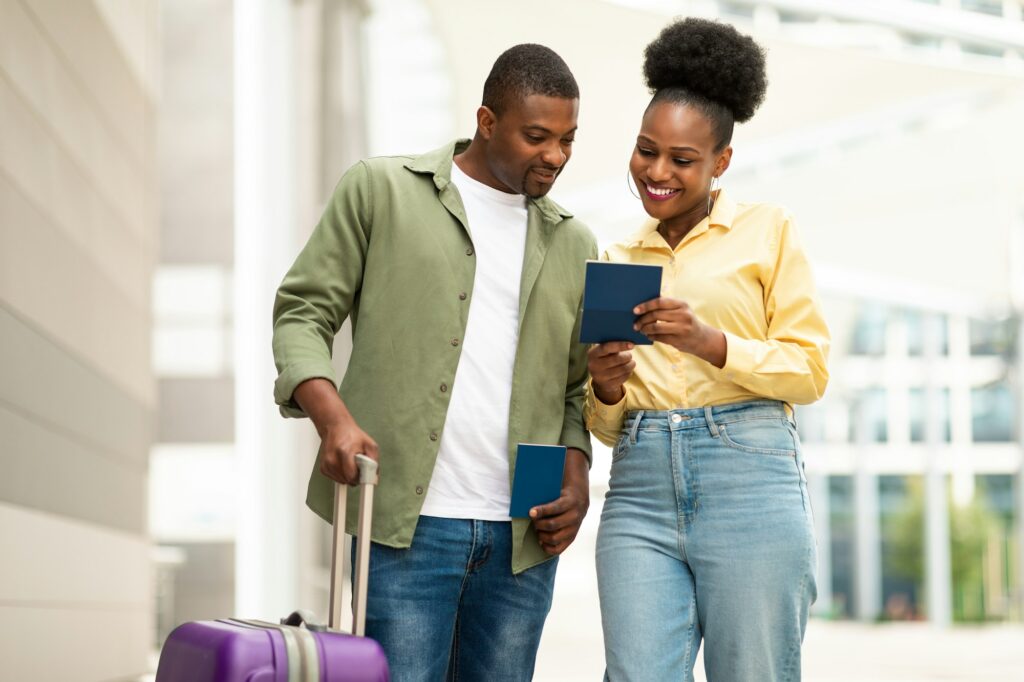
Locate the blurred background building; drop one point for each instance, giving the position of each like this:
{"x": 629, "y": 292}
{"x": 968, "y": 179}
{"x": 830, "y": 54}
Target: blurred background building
{"x": 161, "y": 163}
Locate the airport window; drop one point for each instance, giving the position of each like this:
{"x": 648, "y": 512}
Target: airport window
{"x": 737, "y": 9}
{"x": 992, "y": 7}
{"x": 993, "y": 336}
{"x": 918, "y": 327}
{"x": 841, "y": 529}
{"x": 869, "y": 411}
{"x": 869, "y": 331}
{"x": 919, "y": 410}
{"x": 992, "y": 413}
{"x": 193, "y": 318}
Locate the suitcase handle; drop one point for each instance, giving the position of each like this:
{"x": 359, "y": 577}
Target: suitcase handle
{"x": 368, "y": 479}
{"x": 303, "y": 618}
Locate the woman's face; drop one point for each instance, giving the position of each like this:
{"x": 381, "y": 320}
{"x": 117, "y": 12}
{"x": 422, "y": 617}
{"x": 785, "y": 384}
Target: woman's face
{"x": 674, "y": 160}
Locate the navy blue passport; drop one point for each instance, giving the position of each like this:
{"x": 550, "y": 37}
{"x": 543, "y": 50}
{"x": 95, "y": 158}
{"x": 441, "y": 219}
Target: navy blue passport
{"x": 611, "y": 292}
{"x": 538, "y": 477}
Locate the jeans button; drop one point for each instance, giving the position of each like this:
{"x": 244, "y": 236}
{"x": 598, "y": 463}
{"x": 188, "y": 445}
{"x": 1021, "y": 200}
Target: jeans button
{"x": 676, "y": 418}
{"x": 419, "y": 490}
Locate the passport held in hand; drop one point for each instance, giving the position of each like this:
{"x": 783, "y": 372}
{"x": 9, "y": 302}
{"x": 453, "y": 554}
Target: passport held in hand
{"x": 538, "y": 477}
{"x": 610, "y": 293}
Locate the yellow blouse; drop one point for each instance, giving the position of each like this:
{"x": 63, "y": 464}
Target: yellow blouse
{"x": 743, "y": 271}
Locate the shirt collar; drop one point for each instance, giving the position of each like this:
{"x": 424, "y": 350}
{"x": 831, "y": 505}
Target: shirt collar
{"x": 439, "y": 164}
{"x": 723, "y": 213}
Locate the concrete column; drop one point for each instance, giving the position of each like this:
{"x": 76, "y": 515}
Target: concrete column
{"x": 961, "y": 424}
{"x": 1017, "y": 296}
{"x": 267, "y": 549}
{"x": 1019, "y": 515}
{"x": 938, "y": 575}
{"x": 868, "y": 573}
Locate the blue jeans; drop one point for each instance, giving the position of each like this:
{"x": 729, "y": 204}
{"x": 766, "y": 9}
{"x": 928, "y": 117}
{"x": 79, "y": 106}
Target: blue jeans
{"x": 706, "y": 533}
{"x": 449, "y": 607}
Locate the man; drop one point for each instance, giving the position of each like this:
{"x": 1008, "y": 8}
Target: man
{"x": 464, "y": 285}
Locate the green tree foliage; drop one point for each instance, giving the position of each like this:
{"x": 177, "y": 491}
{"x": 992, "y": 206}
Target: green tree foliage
{"x": 971, "y": 527}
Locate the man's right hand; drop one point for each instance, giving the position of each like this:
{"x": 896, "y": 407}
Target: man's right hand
{"x": 339, "y": 445}
{"x": 341, "y": 439}
{"x": 610, "y": 365}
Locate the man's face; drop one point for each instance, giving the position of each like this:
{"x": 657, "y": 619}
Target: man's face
{"x": 530, "y": 143}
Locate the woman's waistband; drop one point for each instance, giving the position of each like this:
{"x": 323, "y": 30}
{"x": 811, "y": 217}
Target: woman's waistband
{"x": 693, "y": 417}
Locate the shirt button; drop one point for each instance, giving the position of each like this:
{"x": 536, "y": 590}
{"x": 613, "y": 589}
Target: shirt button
{"x": 462, "y": 296}
{"x": 676, "y": 418}
{"x": 433, "y": 436}
{"x": 444, "y": 387}
{"x": 469, "y": 251}
{"x": 672, "y": 260}
{"x": 455, "y": 342}
{"x": 419, "y": 490}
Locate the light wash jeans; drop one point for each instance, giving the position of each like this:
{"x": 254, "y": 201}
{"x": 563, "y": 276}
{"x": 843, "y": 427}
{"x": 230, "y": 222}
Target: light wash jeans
{"x": 449, "y": 607}
{"x": 706, "y": 533}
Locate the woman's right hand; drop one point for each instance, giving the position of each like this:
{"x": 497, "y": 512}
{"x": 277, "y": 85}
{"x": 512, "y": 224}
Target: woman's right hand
{"x": 610, "y": 364}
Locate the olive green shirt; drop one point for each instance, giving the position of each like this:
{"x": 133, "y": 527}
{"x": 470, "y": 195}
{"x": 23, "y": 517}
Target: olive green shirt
{"x": 393, "y": 250}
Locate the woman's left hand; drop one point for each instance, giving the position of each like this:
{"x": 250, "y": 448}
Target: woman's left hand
{"x": 673, "y": 322}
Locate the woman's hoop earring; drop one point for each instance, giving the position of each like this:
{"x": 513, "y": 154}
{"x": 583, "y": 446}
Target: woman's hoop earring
{"x": 630, "y": 187}
{"x": 711, "y": 190}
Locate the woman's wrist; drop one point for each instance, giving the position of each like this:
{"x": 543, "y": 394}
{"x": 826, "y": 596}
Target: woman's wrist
{"x": 609, "y": 396}
{"x": 713, "y": 348}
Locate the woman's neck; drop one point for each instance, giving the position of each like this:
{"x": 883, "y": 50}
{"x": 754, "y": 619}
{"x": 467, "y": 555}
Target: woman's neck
{"x": 675, "y": 229}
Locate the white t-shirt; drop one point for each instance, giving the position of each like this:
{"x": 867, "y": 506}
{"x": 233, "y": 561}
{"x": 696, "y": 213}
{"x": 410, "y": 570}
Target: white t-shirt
{"x": 471, "y": 476}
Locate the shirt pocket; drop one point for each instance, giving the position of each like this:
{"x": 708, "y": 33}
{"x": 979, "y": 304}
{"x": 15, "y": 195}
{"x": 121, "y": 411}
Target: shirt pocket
{"x": 759, "y": 437}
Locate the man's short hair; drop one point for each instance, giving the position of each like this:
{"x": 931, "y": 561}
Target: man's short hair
{"x": 525, "y": 70}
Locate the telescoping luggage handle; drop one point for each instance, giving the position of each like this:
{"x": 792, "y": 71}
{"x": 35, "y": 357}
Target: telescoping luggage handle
{"x": 367, "y": 481}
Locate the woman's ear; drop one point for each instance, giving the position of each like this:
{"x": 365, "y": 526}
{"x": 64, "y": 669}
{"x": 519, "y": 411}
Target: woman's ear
{"x": 723, "y": 161}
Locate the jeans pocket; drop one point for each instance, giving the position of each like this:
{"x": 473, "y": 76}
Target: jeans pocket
{"x": 621, "y": 448}
{"x": 759, "y": 437}
{"x": 801, "y": 468}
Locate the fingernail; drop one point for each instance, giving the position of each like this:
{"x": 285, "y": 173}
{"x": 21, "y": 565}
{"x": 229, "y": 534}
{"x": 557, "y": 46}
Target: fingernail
{"x": 636, "y": 310}
{"x": 636, "y": 327}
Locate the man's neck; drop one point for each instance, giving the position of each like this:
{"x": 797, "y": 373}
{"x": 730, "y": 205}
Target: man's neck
{"x": 473, "y": 163}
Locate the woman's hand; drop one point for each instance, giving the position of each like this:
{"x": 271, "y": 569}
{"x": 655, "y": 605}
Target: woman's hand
{"x": 610, "y": 364}
{"x": 671, "y": 321}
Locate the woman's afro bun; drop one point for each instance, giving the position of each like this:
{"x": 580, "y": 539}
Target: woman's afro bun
{"x": 711, "y": 60}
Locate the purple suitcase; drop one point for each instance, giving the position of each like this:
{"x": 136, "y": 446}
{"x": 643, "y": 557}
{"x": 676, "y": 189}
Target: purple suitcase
{"x": 297, "y": 650}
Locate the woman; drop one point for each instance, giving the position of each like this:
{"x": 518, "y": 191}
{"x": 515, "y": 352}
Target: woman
{"x": 706, "y": 531}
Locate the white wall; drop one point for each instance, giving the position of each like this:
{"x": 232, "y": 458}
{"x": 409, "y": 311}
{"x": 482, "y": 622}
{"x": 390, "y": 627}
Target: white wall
{"x": 77, "y": 246}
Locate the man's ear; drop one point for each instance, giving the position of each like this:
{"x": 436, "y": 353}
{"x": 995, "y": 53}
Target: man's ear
{"x": 485, "y": 121}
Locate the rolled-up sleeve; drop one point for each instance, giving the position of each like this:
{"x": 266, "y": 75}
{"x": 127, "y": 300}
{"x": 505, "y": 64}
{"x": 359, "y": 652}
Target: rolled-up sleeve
{"x": 791, "y": 363}
{"x": 604, "y": 421}
{"x": 318, "y": 291}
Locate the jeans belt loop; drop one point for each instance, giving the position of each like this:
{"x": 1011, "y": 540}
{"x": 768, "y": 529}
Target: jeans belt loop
{"x": 712, "y": 426}
{"x": 636, "y": 427}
